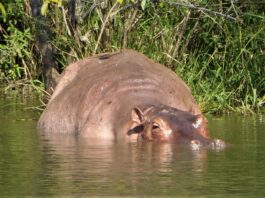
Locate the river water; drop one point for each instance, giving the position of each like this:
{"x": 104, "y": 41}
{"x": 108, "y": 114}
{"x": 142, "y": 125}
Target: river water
{"x": 60, "y": 166}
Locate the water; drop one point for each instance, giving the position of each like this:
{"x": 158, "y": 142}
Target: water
{"x": 35, "y": 165}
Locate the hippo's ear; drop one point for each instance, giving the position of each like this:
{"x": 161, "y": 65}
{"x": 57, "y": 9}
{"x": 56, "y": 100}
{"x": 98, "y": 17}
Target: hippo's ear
{"x": 137, "y": 115}
{"x": 136, "y": 126}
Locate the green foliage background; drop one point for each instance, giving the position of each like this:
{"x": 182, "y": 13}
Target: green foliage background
{"x": 217, "y": 47}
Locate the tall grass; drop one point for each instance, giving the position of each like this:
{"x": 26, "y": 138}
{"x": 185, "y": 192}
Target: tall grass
{"x": 217, "y": 47}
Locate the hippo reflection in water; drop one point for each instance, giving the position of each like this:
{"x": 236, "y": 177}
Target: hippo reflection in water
{"x": 122, "y": 96}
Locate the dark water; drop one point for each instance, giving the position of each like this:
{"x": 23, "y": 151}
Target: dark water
{"x": 33, "y": 165}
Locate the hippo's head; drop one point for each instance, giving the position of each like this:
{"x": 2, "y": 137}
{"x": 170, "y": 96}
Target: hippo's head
{"x": 167, "y": 124}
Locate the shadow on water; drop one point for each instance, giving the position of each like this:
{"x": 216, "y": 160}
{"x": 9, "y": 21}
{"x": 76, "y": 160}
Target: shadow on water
{"x": 32, "y": 164}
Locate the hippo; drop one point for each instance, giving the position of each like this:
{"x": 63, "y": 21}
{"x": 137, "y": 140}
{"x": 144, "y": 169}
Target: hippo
{"x": 122, "y": 96}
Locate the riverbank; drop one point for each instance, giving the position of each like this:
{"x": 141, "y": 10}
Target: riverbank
{"x": 211, "y": 101}
{"x": 216, "y": 47}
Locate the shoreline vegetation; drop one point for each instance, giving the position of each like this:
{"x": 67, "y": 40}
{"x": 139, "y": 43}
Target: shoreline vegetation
{"x": 216, "y": 47}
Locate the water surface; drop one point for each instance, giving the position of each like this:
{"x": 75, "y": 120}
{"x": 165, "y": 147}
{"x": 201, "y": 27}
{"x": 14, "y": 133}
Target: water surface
{"x": 36, "y": 165}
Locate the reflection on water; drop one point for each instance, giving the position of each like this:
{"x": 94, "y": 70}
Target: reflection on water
{"x": 107, "y": 168}
{"x": 57, "y": 165}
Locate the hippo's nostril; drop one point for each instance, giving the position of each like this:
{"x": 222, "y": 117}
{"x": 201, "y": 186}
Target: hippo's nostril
{"x": 195, "y": 145}
{"x": 218, "y": 144}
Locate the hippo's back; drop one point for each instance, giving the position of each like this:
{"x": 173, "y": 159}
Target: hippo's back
{"x": 95, "y": 91}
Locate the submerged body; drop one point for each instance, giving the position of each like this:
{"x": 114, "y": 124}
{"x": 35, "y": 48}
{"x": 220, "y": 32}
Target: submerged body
{"x": 113, "y": 96}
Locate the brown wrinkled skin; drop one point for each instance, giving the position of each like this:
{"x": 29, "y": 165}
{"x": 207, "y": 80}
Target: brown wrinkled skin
{"x": 95, "y": 96}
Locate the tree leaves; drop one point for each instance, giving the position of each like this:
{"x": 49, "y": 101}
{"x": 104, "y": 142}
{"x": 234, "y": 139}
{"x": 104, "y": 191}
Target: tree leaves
{"x": 44, "y": 7}
{"x": 3, "y": 11}
{"x": 46, "y": 3}
{"x": 143, "y": 3}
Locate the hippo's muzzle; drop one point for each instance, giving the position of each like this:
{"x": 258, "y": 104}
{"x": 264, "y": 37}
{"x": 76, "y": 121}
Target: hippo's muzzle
{"x": 215, "y": 144}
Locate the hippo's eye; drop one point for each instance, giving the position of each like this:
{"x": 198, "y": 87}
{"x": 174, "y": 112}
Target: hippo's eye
{"x": 155, "y": 126}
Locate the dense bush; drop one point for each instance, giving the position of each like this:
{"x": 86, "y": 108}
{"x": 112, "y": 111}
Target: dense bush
{"x": 216, "y": 46}
{"x": 15, "y": 40}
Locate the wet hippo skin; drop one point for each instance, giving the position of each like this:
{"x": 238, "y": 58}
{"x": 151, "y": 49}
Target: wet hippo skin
{"x": 124, "y": 95}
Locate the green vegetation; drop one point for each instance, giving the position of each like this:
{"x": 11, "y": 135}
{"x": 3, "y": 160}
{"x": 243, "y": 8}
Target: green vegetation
{"x": 17, "y": 64}
{"x": 217, "y": 47}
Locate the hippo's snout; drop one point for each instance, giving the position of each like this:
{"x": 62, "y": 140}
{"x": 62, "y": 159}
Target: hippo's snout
{"x": 195, "y": 145}
{"x": 216, "y": 144}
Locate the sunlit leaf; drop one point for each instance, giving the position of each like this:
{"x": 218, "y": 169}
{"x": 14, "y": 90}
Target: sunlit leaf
{"x": 55, "y": 1}
{"x": 143, "y": 4}
{"x": 120, "y": 1}
{"x": 60, "y": 3}
{"x": 3, "y": 11}
{"x": 44, "y": 7}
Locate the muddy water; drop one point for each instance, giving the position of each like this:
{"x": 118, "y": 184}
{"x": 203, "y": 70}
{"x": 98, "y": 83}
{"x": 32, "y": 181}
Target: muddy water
{"x": 36, "y": 165}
